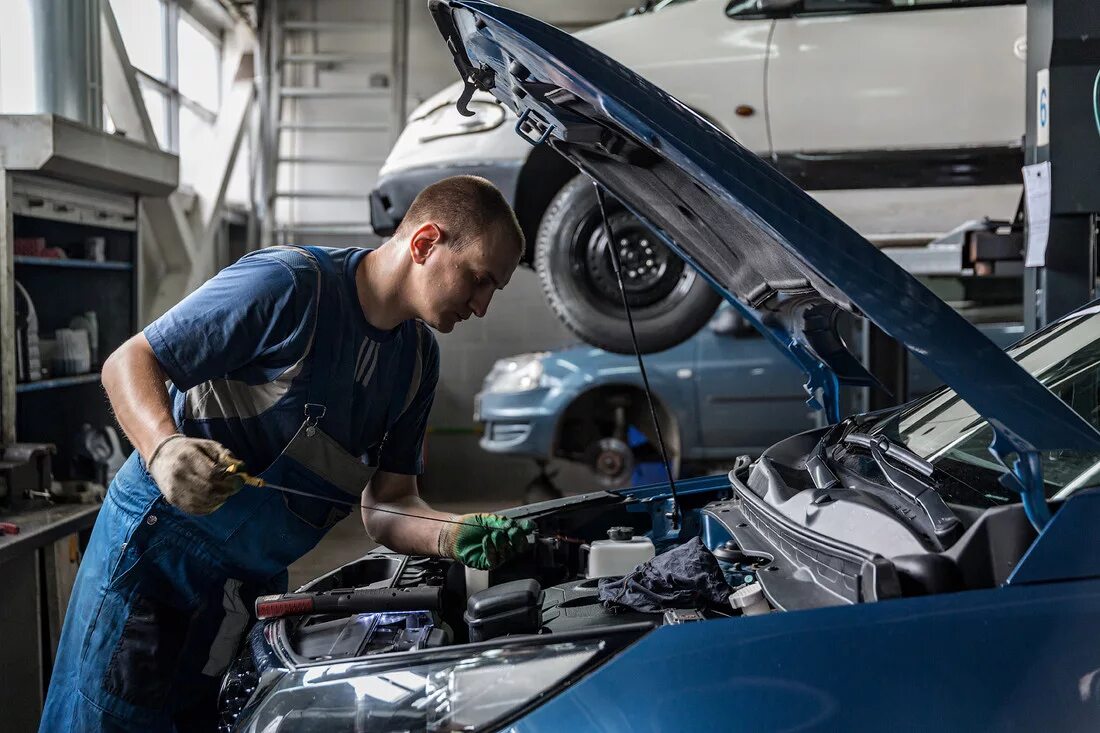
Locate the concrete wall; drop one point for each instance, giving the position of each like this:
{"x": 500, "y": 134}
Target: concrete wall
{"x": 519, "y": 319}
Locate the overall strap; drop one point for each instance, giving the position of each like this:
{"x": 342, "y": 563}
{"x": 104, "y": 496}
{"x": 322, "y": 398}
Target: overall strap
{"x": 323, "y": 384}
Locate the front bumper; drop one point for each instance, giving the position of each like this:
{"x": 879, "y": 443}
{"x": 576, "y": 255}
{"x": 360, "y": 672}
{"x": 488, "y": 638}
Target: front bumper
{"x": 518, "y": 424}
{"x": 395, "y": 191}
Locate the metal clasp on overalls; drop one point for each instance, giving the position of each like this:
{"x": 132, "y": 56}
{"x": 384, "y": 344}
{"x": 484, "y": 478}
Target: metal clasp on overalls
{"x": 314, "y": 413}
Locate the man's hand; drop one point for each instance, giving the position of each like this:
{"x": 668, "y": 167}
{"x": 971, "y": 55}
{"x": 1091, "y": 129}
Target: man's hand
{"x": 484, "y": 541}
{"x": 191, "y": 473}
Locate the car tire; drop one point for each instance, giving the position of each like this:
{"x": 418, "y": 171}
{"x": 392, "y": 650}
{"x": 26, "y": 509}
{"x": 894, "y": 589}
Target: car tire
{"x": 669, "y": 301}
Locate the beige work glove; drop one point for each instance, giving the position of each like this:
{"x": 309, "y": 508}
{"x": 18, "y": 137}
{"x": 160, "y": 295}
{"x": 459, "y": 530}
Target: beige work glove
{"x": 191, "y": 473}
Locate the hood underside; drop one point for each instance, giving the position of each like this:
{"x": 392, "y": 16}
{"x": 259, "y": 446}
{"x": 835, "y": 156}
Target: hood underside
{"x": 768, "y": 246}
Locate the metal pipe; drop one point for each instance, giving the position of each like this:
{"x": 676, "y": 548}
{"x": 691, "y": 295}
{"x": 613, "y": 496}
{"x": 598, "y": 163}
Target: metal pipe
{"x": 67, "y": 56}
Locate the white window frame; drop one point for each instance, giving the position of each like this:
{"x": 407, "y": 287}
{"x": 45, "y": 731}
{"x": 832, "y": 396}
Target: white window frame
{"x": 169, "y": 86}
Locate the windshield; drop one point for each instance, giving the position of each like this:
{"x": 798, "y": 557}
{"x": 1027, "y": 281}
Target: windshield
{"x": 943, "y": 429}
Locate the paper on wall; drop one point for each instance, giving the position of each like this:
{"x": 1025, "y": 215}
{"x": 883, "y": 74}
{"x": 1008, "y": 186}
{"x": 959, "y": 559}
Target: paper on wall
{"x": 1037, "y": 206}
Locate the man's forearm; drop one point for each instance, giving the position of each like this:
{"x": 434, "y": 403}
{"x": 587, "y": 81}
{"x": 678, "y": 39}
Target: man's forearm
{"x": 135, "y": 386}
{"x": 413, "y": 535}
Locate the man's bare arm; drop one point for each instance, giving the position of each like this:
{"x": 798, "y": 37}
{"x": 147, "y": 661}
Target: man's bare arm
{"x": 135, "y": 384}
{"x": 411, "y": 535}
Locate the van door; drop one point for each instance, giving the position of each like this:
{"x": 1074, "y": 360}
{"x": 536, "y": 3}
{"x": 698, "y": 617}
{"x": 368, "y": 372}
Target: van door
{"x": 903, "y": 116}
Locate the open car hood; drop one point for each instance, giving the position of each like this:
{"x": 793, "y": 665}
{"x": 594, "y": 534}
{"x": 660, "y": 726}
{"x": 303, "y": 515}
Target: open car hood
{"x": 775, "y": 253}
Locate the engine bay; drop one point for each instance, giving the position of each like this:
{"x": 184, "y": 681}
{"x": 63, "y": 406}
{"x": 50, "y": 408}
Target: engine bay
{"x": 772, "y": 557}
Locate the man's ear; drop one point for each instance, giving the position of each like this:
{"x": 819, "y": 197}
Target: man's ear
{"x": 427, "y": 237}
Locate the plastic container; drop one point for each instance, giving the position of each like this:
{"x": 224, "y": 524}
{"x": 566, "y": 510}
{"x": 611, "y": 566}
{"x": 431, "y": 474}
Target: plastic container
{"x": 73, "y": 354}
{"x": 476, "y": 581}
{"x": 619, "y": 554}
{"x": 508, "y": 608}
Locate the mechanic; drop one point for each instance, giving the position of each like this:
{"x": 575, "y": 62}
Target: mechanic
{"x": 313, "y": 367}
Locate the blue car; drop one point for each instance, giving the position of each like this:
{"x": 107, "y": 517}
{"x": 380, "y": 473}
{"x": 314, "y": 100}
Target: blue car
{"x": 930, "y": 568}
{"x": 725, "y": 392}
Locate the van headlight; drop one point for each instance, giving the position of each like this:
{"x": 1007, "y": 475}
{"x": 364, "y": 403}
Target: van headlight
{"x": 445, "y": 121}
{"x": 465, "y": 691}
{"x": 519, "y": 373}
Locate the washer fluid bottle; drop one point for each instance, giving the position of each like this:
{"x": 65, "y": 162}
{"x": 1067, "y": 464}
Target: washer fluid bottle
{"x": 619, "y": 554}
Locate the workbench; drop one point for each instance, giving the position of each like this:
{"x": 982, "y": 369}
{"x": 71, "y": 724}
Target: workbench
{"x": 37, "y": 569}
{"x": 71, "y": 248}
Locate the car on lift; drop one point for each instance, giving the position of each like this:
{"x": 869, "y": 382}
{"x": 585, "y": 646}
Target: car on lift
{"x": 903, "y": 118}
{"x": 942, "y": 556}
{"x": 723, "y": 393}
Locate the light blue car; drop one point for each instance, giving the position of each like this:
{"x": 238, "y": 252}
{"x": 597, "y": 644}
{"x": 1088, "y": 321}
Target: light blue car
{"x": 722, "y": 393}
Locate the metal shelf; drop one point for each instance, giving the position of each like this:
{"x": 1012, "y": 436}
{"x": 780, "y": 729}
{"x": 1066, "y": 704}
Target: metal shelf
{"x": 72, "y": 263}
{"x": 44, "y": 384}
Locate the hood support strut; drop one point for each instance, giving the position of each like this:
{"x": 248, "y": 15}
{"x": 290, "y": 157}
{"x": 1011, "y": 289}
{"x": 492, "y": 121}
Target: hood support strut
{"x": 674, "y": 519}
{"x": 1025, "y": 474}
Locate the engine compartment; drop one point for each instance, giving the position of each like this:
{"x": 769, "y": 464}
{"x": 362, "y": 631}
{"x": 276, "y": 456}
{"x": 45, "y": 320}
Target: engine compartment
{"x": 782, "y": 562}
{"x": 796, "y": 567}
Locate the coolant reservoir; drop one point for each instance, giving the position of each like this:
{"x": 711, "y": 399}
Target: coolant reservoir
{"x": 476, "y": 581}
{"x": 619, "y": 554}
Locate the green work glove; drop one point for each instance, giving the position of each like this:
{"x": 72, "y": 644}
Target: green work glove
{"x": 490, "y": 540}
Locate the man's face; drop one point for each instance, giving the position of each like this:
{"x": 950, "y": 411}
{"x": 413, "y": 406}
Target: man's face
{"x": 454, "y": 285}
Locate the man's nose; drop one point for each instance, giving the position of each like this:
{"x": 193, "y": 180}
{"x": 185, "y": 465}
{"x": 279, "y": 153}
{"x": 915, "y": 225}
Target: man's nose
{"x": 479, "y": 304}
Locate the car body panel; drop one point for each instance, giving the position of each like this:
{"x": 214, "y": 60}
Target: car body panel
{"x": 825, "y": 74}
{"x": 715, "y": 63}
{"x": 732, "y": 393}
{"x": 771, "y": 240}
{"x": 867, "y": 80}
{"x": 413, "y": 152}
{"x": 749, "y": 396}
{"x": 1009, "y": 659}
{"x": 574, "y": 372}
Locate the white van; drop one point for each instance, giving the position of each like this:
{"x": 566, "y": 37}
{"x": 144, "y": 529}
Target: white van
{"x": 904, "y": 117}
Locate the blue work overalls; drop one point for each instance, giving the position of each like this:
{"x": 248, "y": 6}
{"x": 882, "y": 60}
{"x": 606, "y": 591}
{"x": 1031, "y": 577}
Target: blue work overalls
{"x": 162, "y": 599}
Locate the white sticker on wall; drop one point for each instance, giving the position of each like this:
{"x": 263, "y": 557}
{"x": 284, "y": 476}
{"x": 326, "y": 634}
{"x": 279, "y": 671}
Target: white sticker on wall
{"x": 1037, "y": 208}
{"x": 1042, "y": 108}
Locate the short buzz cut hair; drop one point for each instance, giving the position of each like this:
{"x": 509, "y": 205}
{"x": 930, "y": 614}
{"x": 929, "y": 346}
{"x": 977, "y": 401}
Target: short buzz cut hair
{"x": 465, "y": 207}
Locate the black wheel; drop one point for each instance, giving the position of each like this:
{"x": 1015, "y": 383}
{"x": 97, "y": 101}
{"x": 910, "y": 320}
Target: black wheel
{"x": 668, "y": 299}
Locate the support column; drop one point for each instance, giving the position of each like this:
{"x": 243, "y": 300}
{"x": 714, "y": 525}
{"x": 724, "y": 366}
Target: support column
{"x": 1063, "y": 127}
{"x": 67, "y": 57}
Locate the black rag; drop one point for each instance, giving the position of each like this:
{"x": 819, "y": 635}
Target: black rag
{"x": 687, "y": 576}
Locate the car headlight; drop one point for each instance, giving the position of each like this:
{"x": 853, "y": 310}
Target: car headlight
{"x": 516, "y": 374}
{"x": 445, "y": 121}
{"x": 459, "y": 692}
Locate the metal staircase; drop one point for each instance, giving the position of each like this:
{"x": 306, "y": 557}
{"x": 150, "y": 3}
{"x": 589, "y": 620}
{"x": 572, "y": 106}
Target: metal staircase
{"x": 335, "y": 96}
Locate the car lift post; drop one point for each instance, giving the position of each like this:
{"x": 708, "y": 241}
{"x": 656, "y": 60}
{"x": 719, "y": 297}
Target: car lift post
{"x": 1063, "y": 127}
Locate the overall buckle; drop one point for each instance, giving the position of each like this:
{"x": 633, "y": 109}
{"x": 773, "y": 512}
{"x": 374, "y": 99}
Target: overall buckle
{"x": 314, "y": 413}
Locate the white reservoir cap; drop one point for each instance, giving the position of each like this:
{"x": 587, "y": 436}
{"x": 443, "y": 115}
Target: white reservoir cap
{"x": 750, "y": 600}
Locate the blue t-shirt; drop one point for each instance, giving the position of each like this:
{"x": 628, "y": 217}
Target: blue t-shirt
{"x": 237, "y": 352}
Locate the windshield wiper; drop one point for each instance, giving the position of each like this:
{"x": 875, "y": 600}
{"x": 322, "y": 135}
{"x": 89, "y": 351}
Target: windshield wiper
{"x": 945, "y": 525}
{"x": 898, "y": 452}
{"x": 816, "y": 464}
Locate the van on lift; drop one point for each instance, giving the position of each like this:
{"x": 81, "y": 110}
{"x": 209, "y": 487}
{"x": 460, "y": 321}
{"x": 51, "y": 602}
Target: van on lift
{"x": 904, "y": 119}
